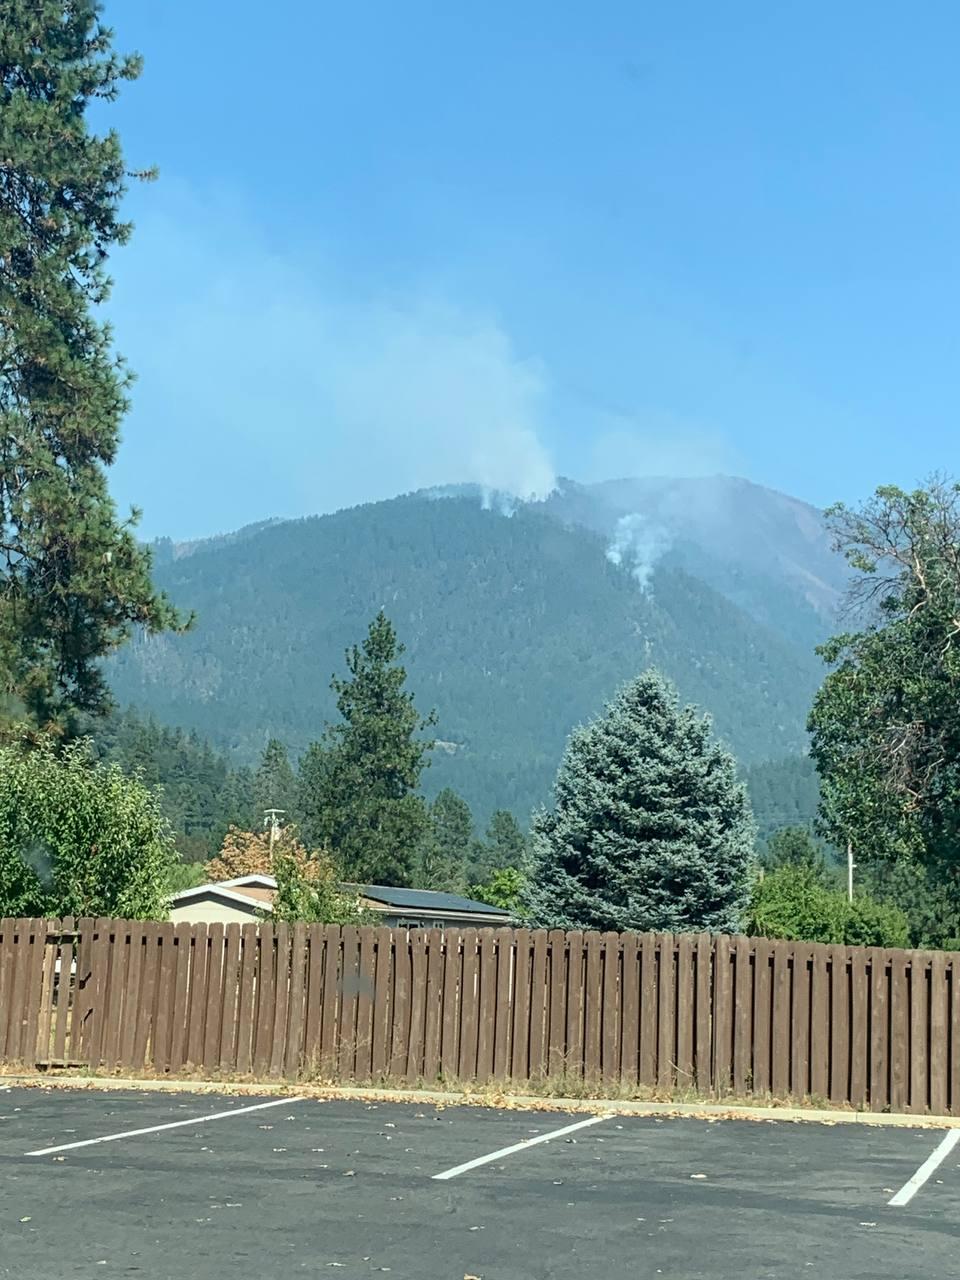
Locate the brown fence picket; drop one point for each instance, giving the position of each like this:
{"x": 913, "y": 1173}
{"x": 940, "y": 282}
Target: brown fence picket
{"x": 382, "y": 1017}
{"x": 743, "y": 997}
{"x": 953, "y": 970}
{"x": 316, "y": 945}
{"x": 648, "y": 1010}
{"x": 592, "y": 1005}
{"x": 296, "y": 1007}
{"x": 899, "y": 1031}
{"x": 281, "y": 1001}
{"x": 247, "y": 997}
{"x": 859, "y": 1028}
{"x": 520, "y": 1038}
{"x": 213, "y": 1011}
{"x": 938, "y": 1054}
{"x": 8, "y": 960}
{"x": 610, "y": 1009}
{"x": 197, "y": 1003}
{"x": 131, "y": 996}
{"x": 418, "y": 1006}
{"x": 434, "y": 1007}
{"x": 43, "y": 1040}
{"x": 667, "y": 1005}
{"x": 704, "y": 1026}
{"x": 783, "y": 973}
{"x": 538, "y": 1006}
{"x": 149, "y": 965}
{"x": 22, "y": 934}
{"x": 163, "y": 1017}
{"x": 506, "y": 957}
{"x": 723, "y": 1014}
{"x": 763, "y": 1017}
{"x": 879, "y": 1082}
{"x": 183, "y": 946}
{"x": 366, "y": 990}
{"x": 486, "y": 1004}
{"x": 330, "y": 1013}
{"x": 402, "y": 982}
{"x": 839, "y": 1024}
{"x": 686, "y": 1009}
{"x": 800, "y": 1020}
{"x": 919, "y": 1029}
{"x": 66, "y": 996}
{"x": 229, "y": 1013}
{"x": 630, "y": 1008}
{"x": 450, "y": 1018}
{"x": 555, "y": 1002}
{"x": 266, "y": 999}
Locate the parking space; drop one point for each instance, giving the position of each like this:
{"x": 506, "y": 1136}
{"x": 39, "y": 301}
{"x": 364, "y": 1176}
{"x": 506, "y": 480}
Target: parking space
{"x": 214, "y": 1187}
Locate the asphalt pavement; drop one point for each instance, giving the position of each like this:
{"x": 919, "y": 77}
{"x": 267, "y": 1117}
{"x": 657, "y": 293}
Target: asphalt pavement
{"x": 201, "y": 1187}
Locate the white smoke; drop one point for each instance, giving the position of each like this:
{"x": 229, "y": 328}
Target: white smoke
{"x": 315, "y": 395}
{"x": 637, "y": 545}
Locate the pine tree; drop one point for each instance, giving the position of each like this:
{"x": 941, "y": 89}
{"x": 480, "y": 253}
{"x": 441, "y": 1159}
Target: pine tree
{"x": 504, "y": 847}
{"x": 275, "y": 783}
{"x": 73, "y": 580}
{"x": 358, "y": 793}
{"x": 650, "y": 828}
{"x": 447, "y": 844}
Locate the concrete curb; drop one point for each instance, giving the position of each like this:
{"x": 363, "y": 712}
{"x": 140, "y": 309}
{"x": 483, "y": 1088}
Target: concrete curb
{"x": 430, "y": 1097}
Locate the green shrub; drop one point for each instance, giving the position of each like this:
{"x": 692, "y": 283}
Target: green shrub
{"x": 793, "y": 902}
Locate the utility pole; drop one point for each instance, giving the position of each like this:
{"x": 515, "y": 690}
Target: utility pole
{"x": 849, "y": 870}
{"x": 271, "y": 822}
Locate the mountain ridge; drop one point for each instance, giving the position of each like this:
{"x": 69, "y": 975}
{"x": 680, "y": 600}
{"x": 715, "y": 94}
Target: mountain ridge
{"x": 517, "y": 629}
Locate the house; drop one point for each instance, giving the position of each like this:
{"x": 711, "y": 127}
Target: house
{"x": 246, "y": 899}
{"x": 243, "y": 900}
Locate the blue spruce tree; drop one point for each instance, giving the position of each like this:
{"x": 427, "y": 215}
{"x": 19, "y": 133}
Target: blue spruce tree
{"x": 650, "y": 829}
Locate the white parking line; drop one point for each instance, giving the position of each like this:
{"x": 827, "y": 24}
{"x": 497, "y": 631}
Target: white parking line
{"x": 518, "y": 1146}
{"x": 156, "y": 1128}
{"x": 932, "y": 1162}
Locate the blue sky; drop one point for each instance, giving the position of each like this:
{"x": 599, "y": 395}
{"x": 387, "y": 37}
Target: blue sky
{"x": 403, "y": 244}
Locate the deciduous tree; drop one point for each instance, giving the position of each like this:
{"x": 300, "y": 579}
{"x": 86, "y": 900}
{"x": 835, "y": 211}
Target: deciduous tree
{"x": 79, "y": 838}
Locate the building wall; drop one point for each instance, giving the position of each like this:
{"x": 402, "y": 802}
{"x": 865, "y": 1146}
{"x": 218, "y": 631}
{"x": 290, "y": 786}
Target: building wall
{"x": 212, "y": 911}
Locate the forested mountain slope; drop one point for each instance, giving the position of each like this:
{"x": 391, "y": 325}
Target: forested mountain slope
{"x": 516, "y": 628}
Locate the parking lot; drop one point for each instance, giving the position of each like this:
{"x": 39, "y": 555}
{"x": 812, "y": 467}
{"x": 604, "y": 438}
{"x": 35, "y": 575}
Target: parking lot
{"x": 180, "y": 1186}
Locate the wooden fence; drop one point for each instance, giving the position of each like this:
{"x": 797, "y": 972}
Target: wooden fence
{"x": 717, "y": 1015}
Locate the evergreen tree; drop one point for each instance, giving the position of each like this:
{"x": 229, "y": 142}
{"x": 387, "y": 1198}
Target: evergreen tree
{"x": 504, "y": 847}
{"x": 73, "y": 580}
{"x": 358, "y": 788}
{"x": 650, "y": 828}
{"x": 447, "y": 844}
{"x": 275, "y": 783}
{"x": 795, "y": 847}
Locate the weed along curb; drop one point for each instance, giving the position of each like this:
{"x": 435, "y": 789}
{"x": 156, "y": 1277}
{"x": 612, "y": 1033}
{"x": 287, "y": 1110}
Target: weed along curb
{"x": 493, "y": 1099}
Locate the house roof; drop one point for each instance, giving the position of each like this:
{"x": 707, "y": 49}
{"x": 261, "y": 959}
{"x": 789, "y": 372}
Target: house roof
{"x": 254, "y": 897}
{"x": 258, "y": 891}
{"x": 427, "y": 900}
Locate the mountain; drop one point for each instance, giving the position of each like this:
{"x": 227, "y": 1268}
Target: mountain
{"x": 767, "y": 552}
{"x": 516, "y": 628}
